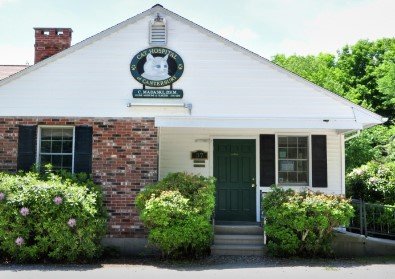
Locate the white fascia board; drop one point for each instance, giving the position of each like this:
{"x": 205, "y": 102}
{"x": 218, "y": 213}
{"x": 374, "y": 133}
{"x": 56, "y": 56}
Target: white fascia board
{"x": 268, "y": 123}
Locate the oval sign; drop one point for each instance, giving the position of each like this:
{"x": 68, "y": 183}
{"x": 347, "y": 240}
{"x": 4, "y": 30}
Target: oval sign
{"x": 157, "y": 66}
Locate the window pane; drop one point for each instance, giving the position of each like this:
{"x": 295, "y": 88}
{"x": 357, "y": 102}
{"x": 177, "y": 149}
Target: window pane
{"x": 292, "y": 153}
{"x": 67, "y": 134}
{"x": 57, "y": 161}
{"x": 46, "y": 146}
{"x": 282, "y": 153}
{"x": 292, "y": 177}
{"x": 56, "y": 134}
{"x": 302, "y": 153}
{"x": 46, "y": 134}
{"x": 287, "y": 165}
{"x": 282, "y": 177}
{"x": 57, "y": 146}
{"x": 292, "y": 142}
{"x": 282, "y": 141}
{"x": 302, "y": 177}
{"x": 45, "y": 159}
{"x": 67, "y": 147}
{"x": 302, "y": 141}
{"x": 302, "y": 166}
{"x": 67, "y": 161}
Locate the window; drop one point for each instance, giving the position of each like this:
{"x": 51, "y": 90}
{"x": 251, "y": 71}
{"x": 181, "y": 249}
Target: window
{"x": 56, "y": 147}
{"x": 293, "y": 162}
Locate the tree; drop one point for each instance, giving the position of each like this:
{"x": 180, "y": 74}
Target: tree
{"x": 320, "y": 69}
{"x": 363, "y": 65}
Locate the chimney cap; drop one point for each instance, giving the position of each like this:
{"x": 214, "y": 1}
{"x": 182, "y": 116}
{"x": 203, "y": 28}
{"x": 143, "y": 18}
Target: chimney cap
{"x": 53, "y": 28}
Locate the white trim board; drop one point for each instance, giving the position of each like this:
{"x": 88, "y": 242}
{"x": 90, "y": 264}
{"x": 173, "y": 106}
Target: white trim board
{"x": 260, "y": 123}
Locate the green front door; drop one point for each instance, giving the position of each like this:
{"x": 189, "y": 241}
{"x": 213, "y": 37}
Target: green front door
{"x": 234, "y": 168}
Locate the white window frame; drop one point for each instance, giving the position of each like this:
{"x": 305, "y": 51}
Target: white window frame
{"x": 38, "y": 150}
{"x": 309, "y": 158}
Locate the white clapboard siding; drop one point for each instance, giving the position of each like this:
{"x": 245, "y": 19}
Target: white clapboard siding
{"x": 219, "y": 80}
{"x": 176, "y": 144}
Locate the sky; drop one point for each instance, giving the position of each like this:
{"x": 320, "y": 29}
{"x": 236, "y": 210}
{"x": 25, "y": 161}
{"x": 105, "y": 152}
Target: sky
{"x": 267, "y": 27}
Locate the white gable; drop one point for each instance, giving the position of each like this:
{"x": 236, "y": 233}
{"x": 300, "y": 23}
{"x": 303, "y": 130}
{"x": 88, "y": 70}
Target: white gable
{"x": 221, "y": 81}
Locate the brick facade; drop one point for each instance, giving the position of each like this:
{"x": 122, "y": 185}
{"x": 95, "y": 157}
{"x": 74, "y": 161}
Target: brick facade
{"x": 125, "y": 159}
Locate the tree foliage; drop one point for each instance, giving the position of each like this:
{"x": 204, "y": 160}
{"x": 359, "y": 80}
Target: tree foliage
{"x": 373, "y": 182}
{"x": 363, "y": 73}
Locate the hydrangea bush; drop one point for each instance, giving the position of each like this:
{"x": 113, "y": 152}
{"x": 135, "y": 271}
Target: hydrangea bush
{"x": 50, "y": 217}
{"x": 177, "y": 211}
{"x": 302, "y": 223}
{"x": 373, "y": 182}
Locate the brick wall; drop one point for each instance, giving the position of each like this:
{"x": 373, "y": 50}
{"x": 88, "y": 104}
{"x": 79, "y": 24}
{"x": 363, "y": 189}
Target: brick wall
{"x": 125, "y": 156}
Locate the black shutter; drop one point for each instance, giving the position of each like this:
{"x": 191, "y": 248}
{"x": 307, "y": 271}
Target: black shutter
{"x": 319, "y": 161}
{"x": 83, "y": 149}
{"x": 27, "y": 144}
{"x": 267, "y": 160}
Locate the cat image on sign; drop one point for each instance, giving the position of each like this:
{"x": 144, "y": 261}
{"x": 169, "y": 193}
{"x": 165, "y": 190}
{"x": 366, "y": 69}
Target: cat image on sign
{"x": 156, "y": 68}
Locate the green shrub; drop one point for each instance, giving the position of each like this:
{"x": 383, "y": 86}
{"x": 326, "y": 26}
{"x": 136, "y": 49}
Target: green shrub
{"x": 57, "y": 218}
{"x": 373, "y": 182}
{"x": 302, "y": 223}
{"x": 177, "y": 211}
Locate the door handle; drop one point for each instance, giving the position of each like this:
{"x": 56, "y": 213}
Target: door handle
{"x": 253, "y": 184}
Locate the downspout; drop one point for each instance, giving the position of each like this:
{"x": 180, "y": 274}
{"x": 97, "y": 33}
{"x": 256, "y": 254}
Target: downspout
{"x": 352, "y": 136}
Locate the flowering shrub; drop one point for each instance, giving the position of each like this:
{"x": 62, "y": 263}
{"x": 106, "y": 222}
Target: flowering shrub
{"x": 302, "y": 223}
{"x": 373, "y": 182}
{"x": 50, "y": 217}
{"x": 177, "y": 211}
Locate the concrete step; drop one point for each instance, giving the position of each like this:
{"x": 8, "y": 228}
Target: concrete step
{"x": 238, "y": 229}
{"x": 237, "y": 250}
{"x": 231, "y": 239}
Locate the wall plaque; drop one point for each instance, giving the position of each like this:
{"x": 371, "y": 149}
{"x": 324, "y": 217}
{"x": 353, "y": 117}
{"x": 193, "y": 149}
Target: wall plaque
{"x": 157, "y": 67}
{"x": 199, "y": 154}
{"x": 158, "y": 93}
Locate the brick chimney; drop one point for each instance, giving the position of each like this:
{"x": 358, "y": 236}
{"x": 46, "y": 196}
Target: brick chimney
{"x": 50, "y": 41}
